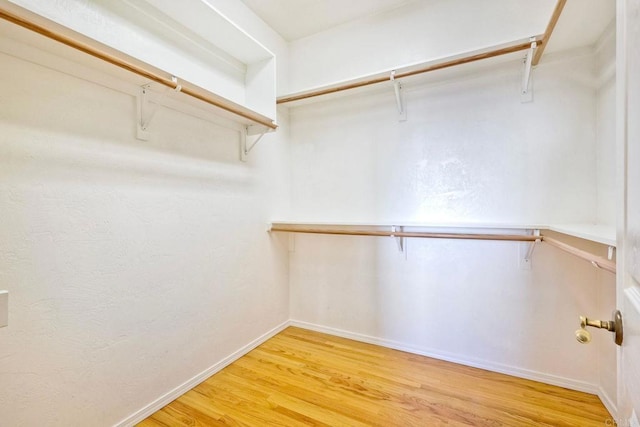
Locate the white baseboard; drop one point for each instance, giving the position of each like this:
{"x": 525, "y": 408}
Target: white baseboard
{"x": 462, "y": 360}
{"x": 191, "y": 383}
{"x": 608, "y": 403}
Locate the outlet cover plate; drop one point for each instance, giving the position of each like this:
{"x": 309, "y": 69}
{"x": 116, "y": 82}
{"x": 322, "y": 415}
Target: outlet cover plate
{"x": 4, "y": 308}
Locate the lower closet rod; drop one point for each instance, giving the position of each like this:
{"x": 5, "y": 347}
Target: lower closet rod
{"x": 597, "y": 261}
{"x": 431, "y": 235}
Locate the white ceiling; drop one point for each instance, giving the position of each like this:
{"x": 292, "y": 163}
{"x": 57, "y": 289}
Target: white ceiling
{"x": 581, "y": 22}
{"x": 294, "y": 19}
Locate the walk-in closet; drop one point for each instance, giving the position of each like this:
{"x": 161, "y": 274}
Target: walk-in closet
{"x": 319, "y": 212}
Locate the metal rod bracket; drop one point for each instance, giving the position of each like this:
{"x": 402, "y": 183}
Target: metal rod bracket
{"x": 147, "y": 109}
{"x": 245, "y": 133}
{"x": 532, "y": 246}
{"x": 526, "y": 93}
{"x": 400, "y": 101}
{"x": 399, "y": 239}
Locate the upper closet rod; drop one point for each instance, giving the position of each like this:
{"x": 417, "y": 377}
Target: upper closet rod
{"x": 439, "y": 66}
{"x": 31, "y": 21}
{"x": 541, "y": 42}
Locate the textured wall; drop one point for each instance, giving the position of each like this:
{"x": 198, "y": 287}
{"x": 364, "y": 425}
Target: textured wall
{"x": 469, "y": 151}
{"x": 132, "y": 265}
{"x": 606, "y": 127}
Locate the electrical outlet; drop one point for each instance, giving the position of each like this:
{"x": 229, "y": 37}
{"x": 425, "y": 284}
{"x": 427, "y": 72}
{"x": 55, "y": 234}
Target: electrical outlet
{"x": 4, "y": 308}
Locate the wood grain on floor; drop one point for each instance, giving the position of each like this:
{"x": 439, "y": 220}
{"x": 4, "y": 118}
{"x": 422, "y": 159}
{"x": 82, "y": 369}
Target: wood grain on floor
{"x": 305, "y": 378}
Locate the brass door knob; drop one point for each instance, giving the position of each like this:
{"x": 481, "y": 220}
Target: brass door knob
{"x": 583, "y": 336}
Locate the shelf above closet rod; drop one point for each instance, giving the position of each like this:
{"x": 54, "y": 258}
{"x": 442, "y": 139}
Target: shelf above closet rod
{"x": 541, "y": 41}
{"x": 412, "y": 71}
{"x": 380, "y": 78}
{"x": 348, "y": 231}
{"x": 52, "y": 30}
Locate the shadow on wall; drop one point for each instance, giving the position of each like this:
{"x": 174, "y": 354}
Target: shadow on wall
{"x": 467, "y": 301}
{"x": 132, "y": 265}
{"x": 95, "y": 120}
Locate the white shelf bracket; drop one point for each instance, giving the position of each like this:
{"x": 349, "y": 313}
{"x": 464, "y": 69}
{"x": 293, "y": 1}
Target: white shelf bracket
{"x": 400, "y": 101}
{"x": 399, "y": 239}
{"x": 610, "y": 250}
{"x": 526, "y": 93}
{"x": 532, "y": 246}
{"x": 245, "y": 133}
{"x": 147, "y": 110}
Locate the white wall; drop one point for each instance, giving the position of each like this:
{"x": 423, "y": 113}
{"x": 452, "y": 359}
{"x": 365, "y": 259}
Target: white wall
{"x": 606, "y": 152}
{"x": 462, "y": 301}
{"x": 132, "y": 266}
{"x": 469, "y": 151}
{"x": 606, "y": 126}
{"x": 607, "y": 354}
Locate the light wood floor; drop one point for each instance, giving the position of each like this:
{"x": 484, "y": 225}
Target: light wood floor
{"x": 302, "y": 378}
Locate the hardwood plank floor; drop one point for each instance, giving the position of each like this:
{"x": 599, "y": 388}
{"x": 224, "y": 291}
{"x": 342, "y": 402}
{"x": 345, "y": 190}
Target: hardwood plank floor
{"x": 302, "y": 378}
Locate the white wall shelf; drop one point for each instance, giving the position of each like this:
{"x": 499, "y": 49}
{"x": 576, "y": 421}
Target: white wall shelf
{"x": 534, "y": 46}
{"x": 605, "y": 234}
{"x": 196, "y": 49}
{"x": 496, "y": 54}
{"x": 468, "y": 231}
{"x": 416, "y": 224}
{"x": 403, "y": 229}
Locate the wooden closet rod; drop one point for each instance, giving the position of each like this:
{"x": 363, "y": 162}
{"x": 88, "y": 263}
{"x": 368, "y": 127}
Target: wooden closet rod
{"x": 52, "y": 30}
{"x": 597, "y": 261}
{"x": 385, "y": 233}
{"x": 541, "y": 40}
{"x": 555, "y": 16}
{"x": 433, "y": 67}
